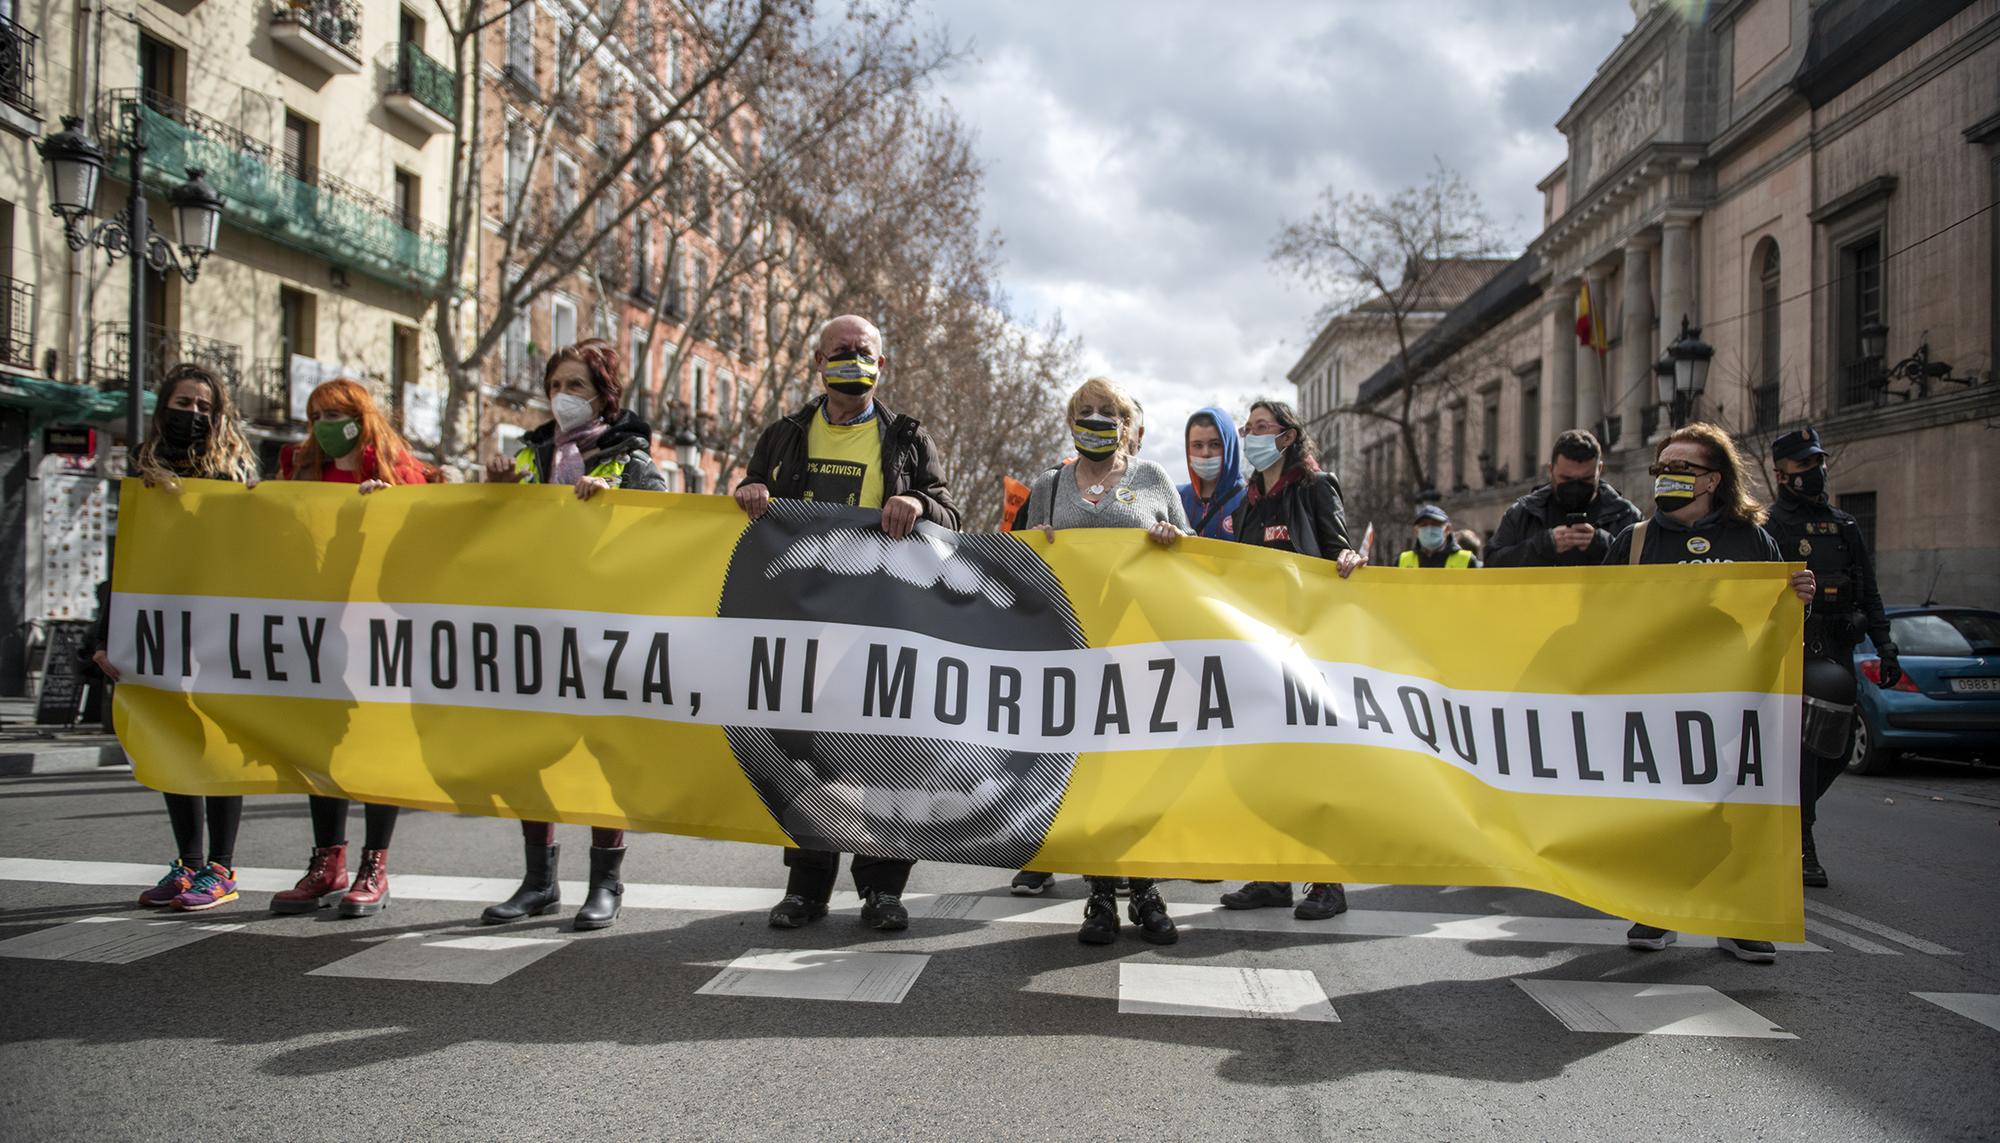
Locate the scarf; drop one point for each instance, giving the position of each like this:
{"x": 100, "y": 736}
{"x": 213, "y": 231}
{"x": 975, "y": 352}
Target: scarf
{"x": 568, "y": 465}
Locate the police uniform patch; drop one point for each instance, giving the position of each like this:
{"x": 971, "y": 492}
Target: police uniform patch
{"x": 1699, "y": 545}
{"x": 1805, "y": 547}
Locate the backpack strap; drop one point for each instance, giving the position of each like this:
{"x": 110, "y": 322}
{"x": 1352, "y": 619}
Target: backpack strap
{"x": 1638, "y": 542}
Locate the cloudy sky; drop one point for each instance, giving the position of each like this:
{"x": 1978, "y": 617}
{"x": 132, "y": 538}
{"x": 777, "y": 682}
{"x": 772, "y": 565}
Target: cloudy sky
{"x": 1139, "y": 157}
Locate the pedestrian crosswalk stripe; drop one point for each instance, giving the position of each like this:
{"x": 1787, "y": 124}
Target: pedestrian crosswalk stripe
{"x": 1634, "y": 1007}
{"x": 1981, "y": 1006}
{"x": 111, "y": 940}
{"x": 980, "y": 908}
{"x": 1878, "y": 928}
{"x": 1209, "y": 990}
{"x": 1858, "y": 944}
{"x": 443, "y": 960}
{"x": 819, "y": 974}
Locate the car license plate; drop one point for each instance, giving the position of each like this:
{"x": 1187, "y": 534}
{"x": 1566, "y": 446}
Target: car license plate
{"x": 1975, "y": 686}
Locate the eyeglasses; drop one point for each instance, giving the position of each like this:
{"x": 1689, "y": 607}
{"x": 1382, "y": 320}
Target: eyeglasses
{"x": 1679, "y": 468}
{"x": 1261, "y": 429}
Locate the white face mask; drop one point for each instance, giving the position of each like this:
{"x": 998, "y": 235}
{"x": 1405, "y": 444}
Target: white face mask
{"x": 1206, "y": 467}
{"x": 572, "y": 412}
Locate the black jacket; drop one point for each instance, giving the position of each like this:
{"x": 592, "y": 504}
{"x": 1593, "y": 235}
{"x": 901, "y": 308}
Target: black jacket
{"x": 1847, "y": 602}
{"x": 1709, "y": 540}
{"x": 909, "y": 460}
{"x": 1522, "y": 539}
{"x": 627, "y": 440}
{"x": 1304, "y": 516}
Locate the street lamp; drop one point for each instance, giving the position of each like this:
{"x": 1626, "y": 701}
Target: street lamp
{"x": 1691, "y": 356}
{"x": 1874, "y": 341}
{"x": 75, "y": 162}
{"x": 1663, "y": 379}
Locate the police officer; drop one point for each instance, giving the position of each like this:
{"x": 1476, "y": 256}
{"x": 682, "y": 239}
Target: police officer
{"x": 1845, "y": 606}
{"x": 1437, "y": 545}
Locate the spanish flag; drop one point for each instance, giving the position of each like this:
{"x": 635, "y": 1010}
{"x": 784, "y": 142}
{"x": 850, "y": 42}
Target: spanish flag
{"x": 1590, "y": 324}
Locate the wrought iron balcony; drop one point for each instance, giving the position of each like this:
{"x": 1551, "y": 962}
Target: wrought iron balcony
{"x": 17, "y": 67}
{"x": 305, "y": 209}
{"x": 265, "y": 395}
{"x": 17, "y": 323}
{"x": 111, "y": 354}
{"x": 1764, "y": 407}
{"x": 425, "y": 91}
{"x": 327, "y": 32}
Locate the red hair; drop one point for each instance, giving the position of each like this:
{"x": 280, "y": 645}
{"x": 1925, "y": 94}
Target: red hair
{"x": 347, "y": 397}
{"x": 600, "y": 357}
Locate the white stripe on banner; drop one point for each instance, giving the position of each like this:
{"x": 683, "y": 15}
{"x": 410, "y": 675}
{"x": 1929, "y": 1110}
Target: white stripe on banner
{"x": 1703, "y": 747}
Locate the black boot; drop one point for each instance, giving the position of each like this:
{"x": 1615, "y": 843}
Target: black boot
{"x": 1149, "y": 912}
{"x": 1100, "y": 914}
{"x": 1814, "y": 873}
{"x": 538, "y": 893}
{"x": 600, "y": 905}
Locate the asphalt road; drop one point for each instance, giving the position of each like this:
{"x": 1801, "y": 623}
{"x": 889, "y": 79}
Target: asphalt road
{"x": 1430, "y": 1027}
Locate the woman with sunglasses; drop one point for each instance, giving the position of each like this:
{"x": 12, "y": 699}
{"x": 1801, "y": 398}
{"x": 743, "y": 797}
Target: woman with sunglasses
{"x": 1293, "y": 505}
{"x": 194, "y": 435}
{"x": 1703, "y": 513}
{"x": 351, "y": 443}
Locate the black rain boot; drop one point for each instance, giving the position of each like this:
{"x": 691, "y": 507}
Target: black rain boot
{"x": 1809, "y": 866}
{"x": 600, "y": 905}
{"x": 539, "y": 893}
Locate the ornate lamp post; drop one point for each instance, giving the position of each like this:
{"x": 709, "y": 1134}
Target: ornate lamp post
{"x": 687, "y": 454}
{"x": 74, "y": 163}
{"x": 1690, "y": 356}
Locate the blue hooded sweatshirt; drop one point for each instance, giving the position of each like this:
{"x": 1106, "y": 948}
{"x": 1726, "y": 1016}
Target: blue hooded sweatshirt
{"x": 1228, "y": 483}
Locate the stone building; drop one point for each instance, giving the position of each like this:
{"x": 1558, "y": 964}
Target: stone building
{"x": 319, "y": 121}
{"x": 1811, "y": 186}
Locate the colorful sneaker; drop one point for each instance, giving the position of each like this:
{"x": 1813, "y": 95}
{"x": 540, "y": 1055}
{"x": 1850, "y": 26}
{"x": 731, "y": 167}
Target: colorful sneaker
{"x": 175, "y": 883}
{"x": 215, "y": 885}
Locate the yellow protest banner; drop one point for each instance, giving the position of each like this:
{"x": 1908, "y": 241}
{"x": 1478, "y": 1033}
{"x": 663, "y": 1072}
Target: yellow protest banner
{"x": 1624, "y": 737}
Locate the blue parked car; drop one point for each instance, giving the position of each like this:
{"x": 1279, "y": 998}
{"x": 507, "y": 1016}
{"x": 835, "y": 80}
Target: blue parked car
{"x": 1948, "y": 701}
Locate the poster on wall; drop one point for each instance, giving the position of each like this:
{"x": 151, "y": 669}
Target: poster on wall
{"x": 74, "y": 526}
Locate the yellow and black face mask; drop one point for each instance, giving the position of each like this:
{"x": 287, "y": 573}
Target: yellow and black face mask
{"x": 1095, "y": 437}
{"x": 852, "y": 374}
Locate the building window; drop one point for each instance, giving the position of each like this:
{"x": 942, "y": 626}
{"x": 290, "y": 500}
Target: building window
{"x": 514, "y": 347}
{"x": 1765, "y": 396}
{"x": 159, "y": 75}
{"x": 1431, "y": 454}
{"x": 301, "y": 147}
{"x": 562, "y": 322}
{"x": 1458, "y": 421}
{"x": 1531, "y": 419}
{"x": 515, "y": 180}
{"x": 521, "y": 42}
{"x": 566, "y": 187}
{"x": 642, "y": 362}
{"x": 409, "y": 200}
{"x": 1861, "y": 506}
{"x": 642, "y": 258}
{"x": 1861, "y": 304}
{"x": 1489, "y": 438}
{"x": 698, "y": 389}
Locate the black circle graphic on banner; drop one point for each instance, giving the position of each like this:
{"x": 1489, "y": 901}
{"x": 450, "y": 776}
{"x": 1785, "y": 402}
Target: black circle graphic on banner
{"x": 891, "y": 795}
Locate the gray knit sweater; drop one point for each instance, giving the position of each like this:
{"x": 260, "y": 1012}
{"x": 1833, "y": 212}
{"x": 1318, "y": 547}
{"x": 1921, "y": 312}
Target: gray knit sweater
{"x": 1144, "y": 495}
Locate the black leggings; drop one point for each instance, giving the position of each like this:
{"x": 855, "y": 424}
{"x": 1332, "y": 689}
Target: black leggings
{"x": 185, "y": 811}
{"x": 544, "y": 833}
{"x": 329, "y": 817}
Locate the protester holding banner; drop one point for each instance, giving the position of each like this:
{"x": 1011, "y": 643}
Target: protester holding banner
{"x": 1703, "y": 513}
{"x": 847, "y": 448}
{"x": 1215, "y": 474}
{"x": 1108, "y": 486}
{"x": 1292, "y": 505}
{"x": 194, "y": 435}
{"x": 351, "y": 443}
{"x": 592, "y": 444}
{"x": 1568, "y": 522}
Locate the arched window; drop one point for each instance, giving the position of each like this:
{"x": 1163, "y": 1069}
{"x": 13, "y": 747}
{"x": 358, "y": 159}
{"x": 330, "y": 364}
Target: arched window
{"x": 1770, "y": 368}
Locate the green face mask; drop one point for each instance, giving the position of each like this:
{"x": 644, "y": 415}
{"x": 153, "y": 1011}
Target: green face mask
{"x": 337, "y": 437}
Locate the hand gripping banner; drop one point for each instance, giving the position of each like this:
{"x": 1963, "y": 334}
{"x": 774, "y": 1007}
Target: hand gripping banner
{"x": 1624, "y": 737}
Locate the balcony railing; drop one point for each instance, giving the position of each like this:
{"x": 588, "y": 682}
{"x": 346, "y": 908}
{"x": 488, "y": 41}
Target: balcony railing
{"x": 17, "y": 67}
{"x": 265, "y": 395}
{"x": 17, "y": 323}
{"x": 425, "y": 79}
{"x": 310, "y": 210}
{"x": 337, "y": 22}
{"x": 1855, "y": 386}
{"x": 111, "y": 354}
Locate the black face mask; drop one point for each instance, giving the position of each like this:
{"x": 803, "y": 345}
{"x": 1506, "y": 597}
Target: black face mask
{"x": 186, "y": 430}
{"x": 1807, "y": 485}
{"x": 1575, "y": 495}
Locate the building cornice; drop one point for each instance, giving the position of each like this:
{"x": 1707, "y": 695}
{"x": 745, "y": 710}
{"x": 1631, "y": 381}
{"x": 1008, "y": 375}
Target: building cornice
{"x": 1868, "y": 193}
{"x": 1636, "y": 46}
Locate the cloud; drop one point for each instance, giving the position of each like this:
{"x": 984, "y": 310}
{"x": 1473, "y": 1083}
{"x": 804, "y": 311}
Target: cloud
{"x": 1140, "y": 156}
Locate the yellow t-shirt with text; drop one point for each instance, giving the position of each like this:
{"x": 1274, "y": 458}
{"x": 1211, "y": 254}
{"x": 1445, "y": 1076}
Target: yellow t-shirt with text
{"x": 844, "y": 463}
